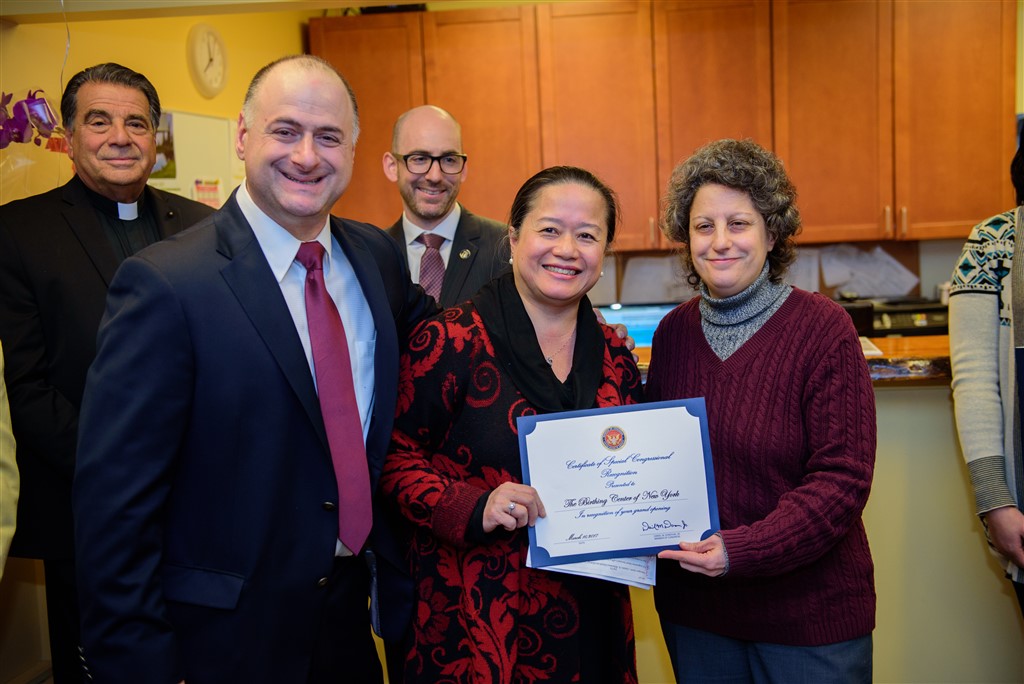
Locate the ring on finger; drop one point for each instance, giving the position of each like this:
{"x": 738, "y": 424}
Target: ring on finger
{"x": 511, "y": 506}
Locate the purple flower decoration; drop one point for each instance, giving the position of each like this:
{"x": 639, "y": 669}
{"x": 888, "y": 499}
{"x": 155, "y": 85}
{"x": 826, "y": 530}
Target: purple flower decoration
{"x": 32, "y": 119}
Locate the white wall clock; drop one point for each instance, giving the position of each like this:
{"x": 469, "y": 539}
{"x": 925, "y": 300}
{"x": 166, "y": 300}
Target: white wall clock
{"x": 207, "y": 60}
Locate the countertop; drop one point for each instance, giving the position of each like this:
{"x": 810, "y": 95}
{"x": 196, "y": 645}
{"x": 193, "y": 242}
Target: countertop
{"x": 916, "y": 360}
{"x": 905, "y": 361}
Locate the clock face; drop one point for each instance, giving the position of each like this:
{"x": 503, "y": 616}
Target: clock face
{"x": 207, "y": 60}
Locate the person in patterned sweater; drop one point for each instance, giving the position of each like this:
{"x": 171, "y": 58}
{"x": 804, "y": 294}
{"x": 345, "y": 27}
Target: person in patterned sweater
{"x": 785, "y": 591}
{"x": 986, "y": 341}
{"x": 527, "y": 343}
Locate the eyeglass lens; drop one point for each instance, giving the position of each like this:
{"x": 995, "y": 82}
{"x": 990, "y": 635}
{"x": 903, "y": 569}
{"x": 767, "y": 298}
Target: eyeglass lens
{"x": 421, "y": 163}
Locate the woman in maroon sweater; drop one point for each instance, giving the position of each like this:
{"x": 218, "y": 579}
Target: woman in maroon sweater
{"x": 785, "y": 591}
{"x": 527, "y": 343}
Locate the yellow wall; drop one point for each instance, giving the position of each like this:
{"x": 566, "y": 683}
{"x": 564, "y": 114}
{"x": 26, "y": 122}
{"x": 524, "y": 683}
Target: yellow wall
{"x": 32, "y": 56}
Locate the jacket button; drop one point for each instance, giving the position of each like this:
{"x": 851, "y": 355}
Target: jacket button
{"x": 322, "y": 582}
{"x": 329, "y": 505}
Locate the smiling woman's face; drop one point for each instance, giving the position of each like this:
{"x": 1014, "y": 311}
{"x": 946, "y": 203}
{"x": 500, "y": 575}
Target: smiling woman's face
{"x": 729, "y": 241}
{"x": 559, "y": 250}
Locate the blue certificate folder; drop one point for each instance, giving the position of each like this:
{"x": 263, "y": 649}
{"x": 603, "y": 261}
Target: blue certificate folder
{"x": 619, "y": 482}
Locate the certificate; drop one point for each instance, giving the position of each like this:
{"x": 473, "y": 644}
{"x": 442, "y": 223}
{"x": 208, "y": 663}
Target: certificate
{"x": 620, "y": 481}
{"x": 637, "y": 572}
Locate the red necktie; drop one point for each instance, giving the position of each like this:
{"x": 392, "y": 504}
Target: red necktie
{"x": 432, "y": 265}
{"x": 337, "y": 402}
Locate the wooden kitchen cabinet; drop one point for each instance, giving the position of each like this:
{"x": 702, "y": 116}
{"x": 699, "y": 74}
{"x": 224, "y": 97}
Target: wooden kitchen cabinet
{"x": 597, "y": 104}
{"x": 955, "y": 123}
{"x": 712, "y": 66}
{"x": 480, "y": 65}
{"x": 894, "y": 119}
{"x": 834, "y": 114}
{"x": 381, "y": 56}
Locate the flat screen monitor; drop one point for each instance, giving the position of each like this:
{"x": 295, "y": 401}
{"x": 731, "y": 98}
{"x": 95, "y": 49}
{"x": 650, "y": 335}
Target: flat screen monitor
{"x": 640, "y": 319}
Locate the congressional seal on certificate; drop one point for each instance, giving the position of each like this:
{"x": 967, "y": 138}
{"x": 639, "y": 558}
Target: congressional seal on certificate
{"x": 619, "y": 482}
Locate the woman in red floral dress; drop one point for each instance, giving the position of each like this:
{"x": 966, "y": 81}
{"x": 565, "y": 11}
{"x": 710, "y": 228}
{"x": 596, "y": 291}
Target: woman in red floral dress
{"x": 527, "y": 343}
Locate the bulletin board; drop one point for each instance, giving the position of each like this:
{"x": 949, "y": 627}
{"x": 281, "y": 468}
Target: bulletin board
{"x": 196, "y": 157}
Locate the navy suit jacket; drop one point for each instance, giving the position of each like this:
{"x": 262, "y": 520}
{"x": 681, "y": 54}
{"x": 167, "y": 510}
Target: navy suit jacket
{"x": 479, "y": 254}
{"x": 203, "y": 464}
{"x": 56, "y": 263}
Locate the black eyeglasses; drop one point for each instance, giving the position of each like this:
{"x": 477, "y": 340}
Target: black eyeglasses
{"x": 450, "y": 163}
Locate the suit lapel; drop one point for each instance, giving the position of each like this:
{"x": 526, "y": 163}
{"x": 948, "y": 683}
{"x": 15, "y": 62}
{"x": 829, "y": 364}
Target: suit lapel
{"x": 248, "y": 275}
{"x": 81, "y": 219}
{"x": 397, "y": 232}
{"x": 465, "y": 248}
{"x": 168, "y": 221}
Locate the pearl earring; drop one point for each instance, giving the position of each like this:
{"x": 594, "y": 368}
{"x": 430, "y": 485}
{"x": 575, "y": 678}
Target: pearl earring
{"x": 510, "y": 261}
{"x": 602, "y": 275}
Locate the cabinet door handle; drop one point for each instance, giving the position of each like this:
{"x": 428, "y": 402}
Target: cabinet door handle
{"x": 903, "y": 222}
{"x": 888, "y": 221}
{"x": 653, "y": 227}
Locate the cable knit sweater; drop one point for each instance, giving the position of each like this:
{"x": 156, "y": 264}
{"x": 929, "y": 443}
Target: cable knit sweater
{"x": 792, "y": 424}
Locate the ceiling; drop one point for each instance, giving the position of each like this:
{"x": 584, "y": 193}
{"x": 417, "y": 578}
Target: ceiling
{"x": 46, "y": 11}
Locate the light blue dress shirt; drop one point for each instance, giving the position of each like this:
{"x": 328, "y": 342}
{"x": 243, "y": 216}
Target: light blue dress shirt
{"x": 280, "y": 249}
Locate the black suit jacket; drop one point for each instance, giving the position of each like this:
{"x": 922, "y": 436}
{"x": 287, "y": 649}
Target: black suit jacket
{"x": 55, "y": 265}
{"x": 479, "y": 254}
{"x": 203, "y": 463}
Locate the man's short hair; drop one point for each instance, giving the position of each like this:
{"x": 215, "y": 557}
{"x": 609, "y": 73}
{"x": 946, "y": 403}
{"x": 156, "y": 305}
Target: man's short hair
{"x": 114, "y": 74}
{"x": 307, "y": 62}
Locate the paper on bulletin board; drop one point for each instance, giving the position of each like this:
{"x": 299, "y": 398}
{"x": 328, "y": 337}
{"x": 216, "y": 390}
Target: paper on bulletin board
{"x": 804, "y": 272}
{"x": 201, "y": 148}
{"x": 208, "y": 191}
{"x": 867, "y": 274}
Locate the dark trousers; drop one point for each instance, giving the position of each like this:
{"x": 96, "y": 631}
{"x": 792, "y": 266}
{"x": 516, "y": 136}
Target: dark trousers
{"x": 394, "y": 657}
{"x": 705, "y": 657}
{"x": 345, "y": 651}
{"x": 62, "y": 616}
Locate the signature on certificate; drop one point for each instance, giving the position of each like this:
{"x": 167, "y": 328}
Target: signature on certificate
{"x": 647, "y": 526}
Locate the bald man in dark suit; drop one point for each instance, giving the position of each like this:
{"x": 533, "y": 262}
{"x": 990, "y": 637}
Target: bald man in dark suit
{"x": 213, "y": 525}
{"x": 427, "y": 163}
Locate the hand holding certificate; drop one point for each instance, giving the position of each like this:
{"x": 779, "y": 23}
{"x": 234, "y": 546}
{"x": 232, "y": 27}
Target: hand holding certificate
{"x": 619, "y": 482}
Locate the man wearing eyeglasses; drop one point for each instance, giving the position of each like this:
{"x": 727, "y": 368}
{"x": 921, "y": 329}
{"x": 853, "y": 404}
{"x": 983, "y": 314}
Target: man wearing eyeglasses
{"x": 427, "y": 163}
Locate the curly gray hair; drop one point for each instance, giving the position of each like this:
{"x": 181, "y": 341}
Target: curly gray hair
{"x": 742, "y": 165}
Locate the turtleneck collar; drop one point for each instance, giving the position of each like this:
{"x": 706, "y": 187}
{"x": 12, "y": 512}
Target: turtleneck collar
{"x": 758, "y": 297}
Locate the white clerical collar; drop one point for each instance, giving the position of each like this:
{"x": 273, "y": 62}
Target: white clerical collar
{"x": 128, "y": 212}
{"x": 445, "y": 228}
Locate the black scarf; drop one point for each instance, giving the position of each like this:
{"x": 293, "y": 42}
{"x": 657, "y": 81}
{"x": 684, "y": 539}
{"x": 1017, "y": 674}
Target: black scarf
{"x": 518, "y": 351}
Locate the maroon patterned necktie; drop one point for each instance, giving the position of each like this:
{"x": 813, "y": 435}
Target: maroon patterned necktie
{"x": 338, "y": 406}
{"x": 432, "y": 265}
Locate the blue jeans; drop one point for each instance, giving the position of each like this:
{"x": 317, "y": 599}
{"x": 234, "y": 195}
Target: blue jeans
{"x": 700, "y": 657}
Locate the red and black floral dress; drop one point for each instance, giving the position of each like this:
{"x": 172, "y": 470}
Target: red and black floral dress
{"x": 480, "y": 615}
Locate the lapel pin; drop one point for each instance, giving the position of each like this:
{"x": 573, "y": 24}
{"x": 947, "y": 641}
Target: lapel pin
{"x": 464, "y": 254}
